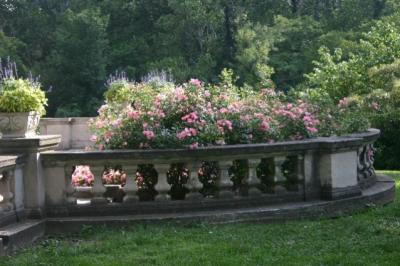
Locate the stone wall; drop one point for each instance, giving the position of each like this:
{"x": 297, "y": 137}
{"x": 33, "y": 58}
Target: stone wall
{"x": 73, "y": 130}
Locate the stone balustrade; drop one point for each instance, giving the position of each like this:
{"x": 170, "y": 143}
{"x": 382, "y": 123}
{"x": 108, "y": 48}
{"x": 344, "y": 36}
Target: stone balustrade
{"x": 11, "y": 189}
{"x": 255, "y": 182}
{"x": 321, "y": 168}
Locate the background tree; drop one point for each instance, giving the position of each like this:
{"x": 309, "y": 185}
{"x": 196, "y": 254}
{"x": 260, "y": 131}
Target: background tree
{"x": 78, "y": 62}
{"x": 75, "y": 44}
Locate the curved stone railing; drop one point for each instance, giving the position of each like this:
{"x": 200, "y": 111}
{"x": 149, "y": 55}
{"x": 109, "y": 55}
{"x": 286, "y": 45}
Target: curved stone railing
{"x": 321, "y": 168}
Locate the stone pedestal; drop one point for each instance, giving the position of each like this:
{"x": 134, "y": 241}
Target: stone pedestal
{"x": 33, "y": 183}
{"x": 337, "y": 172}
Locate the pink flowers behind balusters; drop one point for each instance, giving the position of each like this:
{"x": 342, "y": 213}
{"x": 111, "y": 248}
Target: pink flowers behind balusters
{"x": 82, "y": 176}
{"x": 114, "y": 177}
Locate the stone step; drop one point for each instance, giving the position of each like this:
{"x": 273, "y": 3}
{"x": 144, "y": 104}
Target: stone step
{"x": 19, "y": 235}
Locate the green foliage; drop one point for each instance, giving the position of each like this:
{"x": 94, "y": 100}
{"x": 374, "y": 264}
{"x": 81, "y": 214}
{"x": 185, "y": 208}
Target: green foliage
{"x": 253, "y": 44}
{"x": 292, "y": 55}
{"x": 78, "y": 74}
{"x": 74, "y": 44}
{"x": 11, "y": 47}
{"x": 21, "y": 95}
{"x": 371, "y": 74}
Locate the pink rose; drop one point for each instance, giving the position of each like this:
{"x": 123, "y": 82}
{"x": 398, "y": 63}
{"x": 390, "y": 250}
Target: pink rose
{"x": 149, "y": 134}
{"x": 195, "y": 82}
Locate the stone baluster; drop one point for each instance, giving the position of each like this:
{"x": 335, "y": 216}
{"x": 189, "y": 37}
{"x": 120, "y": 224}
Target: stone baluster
{"x": 70, "y": 189}
{"x": 194, "y": 185}
{"x": 98, "y": 188}
{"x": 130, "y": 187}
{"x": 5, "y": 190}
{"x": 300, "y": 170}
{"x": 224, "y": 181}
{"x": 162, "y": 185}
{"x": 252, "y": 180}
{"x": 279, "y": 178}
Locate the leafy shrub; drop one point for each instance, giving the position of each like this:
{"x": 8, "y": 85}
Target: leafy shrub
{"x": 19, "y": 95}
{"x": 370, "y": 79}
{"x": 192, "y": 115}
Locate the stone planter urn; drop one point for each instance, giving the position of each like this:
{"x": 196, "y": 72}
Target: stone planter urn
{"x": 19, "y": 125}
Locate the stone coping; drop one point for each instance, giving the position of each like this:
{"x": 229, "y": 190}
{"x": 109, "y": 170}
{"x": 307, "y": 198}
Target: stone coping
{"x": 23, "y": 145}
{"x": 64, "y": 120}
{"x": 8, "y": 160}
{"x": 244, "y": 151}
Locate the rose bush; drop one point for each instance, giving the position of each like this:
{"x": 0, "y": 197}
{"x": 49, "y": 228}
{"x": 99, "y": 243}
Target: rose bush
{"x": 192, "y": 115}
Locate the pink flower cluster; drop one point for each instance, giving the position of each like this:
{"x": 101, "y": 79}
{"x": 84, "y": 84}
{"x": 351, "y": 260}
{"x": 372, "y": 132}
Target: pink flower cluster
{"x": 190, "y": 118}
{"x": 193, "y": 115}
{"x": 224, "y": 123}
{"x": 187, "y": 132}
{"x": 82, "y": 176}
{"x": 114, "y": 177}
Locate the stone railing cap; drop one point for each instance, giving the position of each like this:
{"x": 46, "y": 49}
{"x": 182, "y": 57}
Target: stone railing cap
{"x": 36, "y": 143}
{"x": 8, "y": 160}
{"x": 322, "y": 144}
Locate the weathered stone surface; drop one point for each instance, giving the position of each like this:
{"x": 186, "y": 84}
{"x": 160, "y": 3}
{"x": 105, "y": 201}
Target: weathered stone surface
{"x": 242, "y": 151}
{"x": 74, "y": 131}
{"x": 326, "y": 168}
{"x": 29, "y": 145}
{"x": 381, "y": 193}
{"x": 337, "y": 173}
{"x": 19, "y": 235}
{"x": 30, "y": 164}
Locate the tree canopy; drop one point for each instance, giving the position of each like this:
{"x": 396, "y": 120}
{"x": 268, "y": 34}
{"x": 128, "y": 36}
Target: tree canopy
{"x": 74, "y": 45}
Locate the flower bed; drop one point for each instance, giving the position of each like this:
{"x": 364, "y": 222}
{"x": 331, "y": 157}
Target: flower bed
{"x": 164, "y": 115}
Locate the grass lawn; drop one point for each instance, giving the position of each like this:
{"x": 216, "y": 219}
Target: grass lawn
{"x": 368, "y": 238}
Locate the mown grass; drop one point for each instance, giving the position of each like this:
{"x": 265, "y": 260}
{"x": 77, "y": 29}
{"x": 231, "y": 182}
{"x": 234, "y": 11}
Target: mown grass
{"x": 368, "y": 238}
